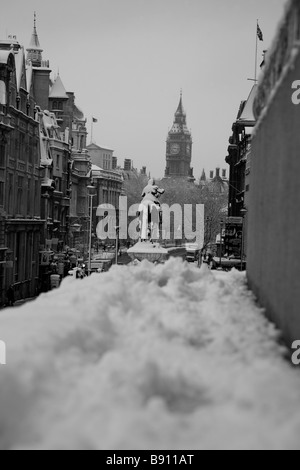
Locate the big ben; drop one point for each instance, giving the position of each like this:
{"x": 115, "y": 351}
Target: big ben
{"x": 179, "y": 147}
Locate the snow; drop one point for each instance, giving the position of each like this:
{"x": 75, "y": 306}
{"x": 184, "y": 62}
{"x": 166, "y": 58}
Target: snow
{"x": 166, "y": 357}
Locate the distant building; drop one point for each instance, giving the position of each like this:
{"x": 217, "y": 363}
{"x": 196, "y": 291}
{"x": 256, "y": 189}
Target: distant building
{"x": 100, "y": 156}
{"x": 179, "y": 148}
{"x": 217, "y": 182}
{"x": 239, "y": 156}
{"x": 55, "y": 170}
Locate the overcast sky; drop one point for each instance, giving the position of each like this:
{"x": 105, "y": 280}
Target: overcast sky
{"x": 126, "y": 61}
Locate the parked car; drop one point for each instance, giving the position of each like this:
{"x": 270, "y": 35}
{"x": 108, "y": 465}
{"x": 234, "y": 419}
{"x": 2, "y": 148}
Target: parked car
{"x": 192, "y": 252}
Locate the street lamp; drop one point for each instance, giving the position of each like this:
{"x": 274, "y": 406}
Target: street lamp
{"x": 117, "y": 229}
{"x": 221, "y": 241}
{"x": 91, "y": 194}
{"x": 208, "y": 230}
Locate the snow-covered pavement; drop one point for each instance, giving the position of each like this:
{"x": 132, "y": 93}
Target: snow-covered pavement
{"x": 166, "y": 357}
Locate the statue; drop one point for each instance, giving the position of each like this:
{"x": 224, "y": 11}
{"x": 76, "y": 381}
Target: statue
{"x": 150, "y": 212}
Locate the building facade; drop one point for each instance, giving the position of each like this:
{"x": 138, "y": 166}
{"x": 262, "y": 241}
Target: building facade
{"x": 20, "y": 181}
{"x": 101, "y": 156}
{"x": 239, "y": 156}
{"x": 273, "y": 227}
{"x": 179, "y": 147}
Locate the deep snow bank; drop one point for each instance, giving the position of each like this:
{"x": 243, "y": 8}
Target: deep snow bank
{"x": 163, "y": 357}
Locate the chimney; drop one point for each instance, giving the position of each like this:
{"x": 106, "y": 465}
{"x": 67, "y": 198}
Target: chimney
{"x": 127, "y": 164}
{"x": 224, "y": 174}
{"x": 114, "y": 163}
{"x": 218, "y": 172}
{"x": 211, "y": 175}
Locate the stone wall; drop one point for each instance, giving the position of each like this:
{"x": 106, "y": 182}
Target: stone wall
{"x": 274, "y": 222}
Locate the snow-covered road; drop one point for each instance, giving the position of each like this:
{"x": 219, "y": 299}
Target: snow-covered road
{"x": 167, "y": 357}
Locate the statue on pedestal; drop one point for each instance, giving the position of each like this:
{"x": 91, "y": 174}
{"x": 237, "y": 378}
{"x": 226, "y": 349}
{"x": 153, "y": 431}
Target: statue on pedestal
{"x": 150, "y": 212}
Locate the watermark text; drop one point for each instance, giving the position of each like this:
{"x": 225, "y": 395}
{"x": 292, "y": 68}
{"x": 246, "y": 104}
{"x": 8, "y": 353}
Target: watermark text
{"x": 296, "y": 94}
{"x": 2, "y": 353}
{"x": 167, "y": 223}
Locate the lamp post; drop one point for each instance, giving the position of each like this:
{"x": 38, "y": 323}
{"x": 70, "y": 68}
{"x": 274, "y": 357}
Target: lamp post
{"x": 117, "y": 228}
{"x": 221, "y": 241}
{"x": 208, "y": 230}
{"x": 91, "y": 194}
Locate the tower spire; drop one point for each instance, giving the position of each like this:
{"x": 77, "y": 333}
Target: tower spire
{"x": 34, "y": 50}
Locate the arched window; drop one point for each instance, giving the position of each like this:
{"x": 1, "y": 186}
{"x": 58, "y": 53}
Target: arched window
{"x": 3, "y": 93}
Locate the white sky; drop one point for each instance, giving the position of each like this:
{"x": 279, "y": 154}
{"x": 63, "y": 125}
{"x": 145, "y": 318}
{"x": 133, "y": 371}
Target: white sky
{"x": 126, "y": 61}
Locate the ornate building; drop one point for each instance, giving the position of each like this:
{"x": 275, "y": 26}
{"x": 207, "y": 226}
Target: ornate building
{"x": 239, "y": 156}
{"x": 179, "y": 147}
{"x": 20, "y": 184}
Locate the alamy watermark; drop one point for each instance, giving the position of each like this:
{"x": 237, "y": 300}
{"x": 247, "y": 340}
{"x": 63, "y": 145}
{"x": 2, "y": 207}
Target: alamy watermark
{"x": 175, "y": 222}
{"x": 2, "y": 353}
{"x": 296, "y": 94}
{"x": 296, "y": 355}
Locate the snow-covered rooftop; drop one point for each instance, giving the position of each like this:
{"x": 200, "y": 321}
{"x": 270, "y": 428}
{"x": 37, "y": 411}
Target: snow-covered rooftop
{"x": 58, "y": 90}
{"x": 145, "y": 357}
{"x": 248, "y": 113}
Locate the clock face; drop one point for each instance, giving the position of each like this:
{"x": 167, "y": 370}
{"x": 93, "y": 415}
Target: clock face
{"x": 175, "y": 149}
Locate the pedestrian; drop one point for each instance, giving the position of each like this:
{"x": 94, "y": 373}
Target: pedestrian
{"x": 209, "y": 259}
{"x": 10, "y": 294}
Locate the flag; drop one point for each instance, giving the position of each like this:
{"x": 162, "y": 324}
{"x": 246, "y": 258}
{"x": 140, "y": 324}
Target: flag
{"x": 95, "y": 120}
{"x": 260, "y": 33}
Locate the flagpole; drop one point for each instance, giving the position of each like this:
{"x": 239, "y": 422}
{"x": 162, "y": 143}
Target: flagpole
{"x": 256, "y": 52}
{"x": 92, "y": 129}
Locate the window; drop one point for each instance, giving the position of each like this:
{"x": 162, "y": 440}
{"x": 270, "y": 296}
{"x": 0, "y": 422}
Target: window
{"x": 58, "y": 162}
{"x": 29, "y": 194}
{"x": 2, "y": 156}
{"x": 31, "y": 151}
{"x": 20, "y": 195}
{"x": 36, "y": 198}
{"x": 22, "y": 147}
{"x": 10, "y": 194}
{"x": 56, "y": 213}
{"x": 1, "y": 193}
{"x": 2, "y": 93}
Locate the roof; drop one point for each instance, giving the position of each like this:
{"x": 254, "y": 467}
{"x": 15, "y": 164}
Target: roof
{"x": 105, "y": 174}
{"x": 58, "y": 90}
{"x": 78, "y": 113}
{"x": 29, "y": 73}
{"x": 179, "y": 125}
{"x": 97, "y": 147}
{"x": 4, "y": 56}
{"x": 20, "y": 67}
{"x": 180, "y": 111}
{"x": 96, "y": 168}
{"x": 203, "y": 176}
{"x": 247, "y": 113}
{"x": 34, "y": 43}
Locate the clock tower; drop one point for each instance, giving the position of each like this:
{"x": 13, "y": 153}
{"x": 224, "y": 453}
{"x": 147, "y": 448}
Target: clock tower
{"x": 179, "y": 147}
